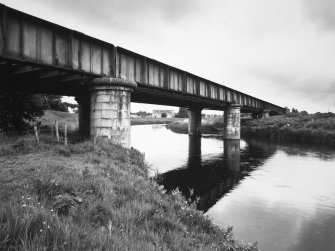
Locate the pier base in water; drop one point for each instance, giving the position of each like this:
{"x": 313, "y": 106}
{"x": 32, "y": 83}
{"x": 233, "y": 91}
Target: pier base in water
{"x": 194, "y": 121}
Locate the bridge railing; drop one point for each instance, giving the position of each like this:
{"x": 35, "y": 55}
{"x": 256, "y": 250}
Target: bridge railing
{"x": 27, "y": 38}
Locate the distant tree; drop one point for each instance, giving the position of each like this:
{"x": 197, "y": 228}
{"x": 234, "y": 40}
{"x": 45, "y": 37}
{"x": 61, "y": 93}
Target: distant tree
{"x": 304, "y": 113}
{"x": 19, "y": 108}
{"x": 295, "y": 110}
{"x": 143, "y": 113}
{"x": 72, "y": 106}
{"x": 182, "y": 113}
{"x": 163, "y": 115}
{"x": 54, "y": 103}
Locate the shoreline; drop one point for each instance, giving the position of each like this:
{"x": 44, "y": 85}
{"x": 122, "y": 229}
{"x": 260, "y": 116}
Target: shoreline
{"x": 82, "y": 197}
{"x": 313, "y": 129}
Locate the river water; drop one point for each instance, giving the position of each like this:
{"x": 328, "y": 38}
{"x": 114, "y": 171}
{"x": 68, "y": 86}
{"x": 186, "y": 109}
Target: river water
{"x": 282, "y": 196}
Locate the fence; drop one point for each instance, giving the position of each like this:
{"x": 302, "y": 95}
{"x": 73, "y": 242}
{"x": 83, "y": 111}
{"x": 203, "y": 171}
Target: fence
{"x": 58, "y": 133}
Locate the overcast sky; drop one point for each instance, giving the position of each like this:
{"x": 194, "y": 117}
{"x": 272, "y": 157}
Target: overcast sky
{"x": 279, "y": 51}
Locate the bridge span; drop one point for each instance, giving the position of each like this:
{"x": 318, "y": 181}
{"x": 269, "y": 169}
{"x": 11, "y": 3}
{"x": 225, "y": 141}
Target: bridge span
{"x": 40, "y": 56}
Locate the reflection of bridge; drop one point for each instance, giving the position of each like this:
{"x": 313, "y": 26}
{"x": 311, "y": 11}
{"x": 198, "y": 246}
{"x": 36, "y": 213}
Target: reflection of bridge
{"x": 40, "y": 56}
{"x": 210, "y": 180}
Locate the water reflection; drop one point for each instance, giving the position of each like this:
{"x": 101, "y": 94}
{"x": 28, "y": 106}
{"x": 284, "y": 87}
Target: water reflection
{"x": 280, "y": 195}
{"x": 194, "y": 152}
{"x": 208, "y": 179}
{"x": 232, "y": 156}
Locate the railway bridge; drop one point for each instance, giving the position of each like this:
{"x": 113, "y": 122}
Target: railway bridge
{"x": 43, "y": 57}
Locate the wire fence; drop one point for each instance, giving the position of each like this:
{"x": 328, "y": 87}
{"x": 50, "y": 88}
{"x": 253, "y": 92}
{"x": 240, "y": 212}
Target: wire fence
{"x": 55, "y": 134}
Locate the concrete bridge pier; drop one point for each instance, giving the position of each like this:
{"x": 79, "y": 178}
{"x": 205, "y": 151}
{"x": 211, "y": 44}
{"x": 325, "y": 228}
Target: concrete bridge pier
{"x": 194, "y": 121}
{"x": 232, "y": 122}
{"x": 110, "y": 109}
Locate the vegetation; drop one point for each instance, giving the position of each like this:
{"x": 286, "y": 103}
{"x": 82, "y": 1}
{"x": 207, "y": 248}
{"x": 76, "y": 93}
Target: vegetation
{"x": 20, "y": 109}
{"x": 142, "y": 114}
{"x": 182, "y": 113}
{"x": 298, "y": 127}
{"x": 71, "y": 119}
{"x": 83, "y": 197}
{"x": 206, "y": 128}
{"x": 150, "y": 120}
{"x": 53, "y": 102}
{"x": 49, "y": 118}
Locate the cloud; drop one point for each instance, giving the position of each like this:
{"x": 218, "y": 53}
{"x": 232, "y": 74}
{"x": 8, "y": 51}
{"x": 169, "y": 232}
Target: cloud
{"x": 322, "y": 12}
{"x": 127, "y": 14}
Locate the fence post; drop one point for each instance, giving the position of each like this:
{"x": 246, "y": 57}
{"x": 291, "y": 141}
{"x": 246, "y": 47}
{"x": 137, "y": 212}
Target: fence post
{"x": 94, "y": 139}
{"x": 56, "y": 128}
{"x": 65, "y": 134}
{"x": 36, "y": 134}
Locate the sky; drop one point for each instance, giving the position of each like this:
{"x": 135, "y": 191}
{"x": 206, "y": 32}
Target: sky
{"x": 279, "y": 51}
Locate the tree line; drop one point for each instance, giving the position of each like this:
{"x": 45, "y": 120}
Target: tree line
{"x": 18, "y": 109}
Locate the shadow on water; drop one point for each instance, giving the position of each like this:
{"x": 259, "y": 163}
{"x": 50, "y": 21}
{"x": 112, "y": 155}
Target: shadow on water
{"x": 209, "y": 178}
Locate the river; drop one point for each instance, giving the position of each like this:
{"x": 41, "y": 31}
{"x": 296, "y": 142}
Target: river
{"x": 282, "y": 196}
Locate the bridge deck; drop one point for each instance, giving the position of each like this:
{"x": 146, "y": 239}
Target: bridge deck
{"x": 42, "y": 56}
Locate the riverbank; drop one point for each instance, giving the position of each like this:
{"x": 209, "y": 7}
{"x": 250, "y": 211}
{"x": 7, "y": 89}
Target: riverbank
{"x": 71, "y": 119}
{"x": 318, "y": 128}
{"x": 82, "y": 197}
{"x": 149, "y": 120}
{"x": 214, "y": 127}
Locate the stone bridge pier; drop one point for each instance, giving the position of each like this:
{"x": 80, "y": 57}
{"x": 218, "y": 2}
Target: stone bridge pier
{"x": 194, "y": 121}
{"x": 232, "y": 122}
{"x": 104, "y": 112}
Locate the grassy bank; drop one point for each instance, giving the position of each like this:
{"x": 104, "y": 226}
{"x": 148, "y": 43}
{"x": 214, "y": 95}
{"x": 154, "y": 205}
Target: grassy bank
{"x": 316, "y": 128}
{"x": 206, "y": 128}
{"x": 94, "y": 198}
{"x": 71, "y": 119}
{"x": 149, "y": 120}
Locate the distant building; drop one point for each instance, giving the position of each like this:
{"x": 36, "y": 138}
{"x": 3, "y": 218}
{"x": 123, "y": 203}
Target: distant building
{"x": 163, "y": 114}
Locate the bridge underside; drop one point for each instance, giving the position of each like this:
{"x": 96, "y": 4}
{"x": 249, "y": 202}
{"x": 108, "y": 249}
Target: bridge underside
{"x": 37, "y": 78}
{"x": 160, "y": 96}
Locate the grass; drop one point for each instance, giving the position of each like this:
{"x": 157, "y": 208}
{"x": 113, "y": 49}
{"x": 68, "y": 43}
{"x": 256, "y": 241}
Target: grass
{"x": 314, "y": 128}
{"x": 82, "y": 197}
{"x": 49, "y": 118}
{"x": 71, "y": 119}
{"x": 149, "y": 120}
